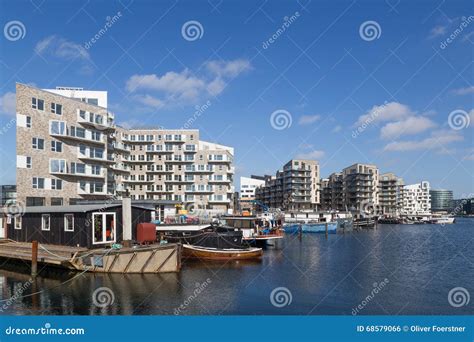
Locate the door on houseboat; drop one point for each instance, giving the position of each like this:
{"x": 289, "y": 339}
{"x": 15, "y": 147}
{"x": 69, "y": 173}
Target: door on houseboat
{"x": 2, "y": 229}
{"x": 103, "y": 228}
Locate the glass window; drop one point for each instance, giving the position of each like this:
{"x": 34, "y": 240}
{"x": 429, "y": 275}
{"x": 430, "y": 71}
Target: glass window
{"x": 28, "y": 162}
{"x": 56, "y": 108}
{"x": 28, "y": 121}
{"x": 38, "y": 183}
{"x": 56, "y": 146}
{"x": 38, "y": 143}
{"x": 56, "y": 184}
{"x": 45, "y": 222}
{"x": 58, "y": 165}
{"x": 57, "y": 127}
{"x": 68, "y": 222}
{"x": 37, "y": 103}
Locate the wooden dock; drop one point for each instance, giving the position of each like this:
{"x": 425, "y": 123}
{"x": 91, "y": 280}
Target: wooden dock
{"x": 139, "y": 259}
{"x": 47, "y": 254}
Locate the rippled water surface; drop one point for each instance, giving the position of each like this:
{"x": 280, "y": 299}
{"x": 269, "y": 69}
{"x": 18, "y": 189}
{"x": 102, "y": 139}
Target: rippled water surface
{"x": 396, "y": 269}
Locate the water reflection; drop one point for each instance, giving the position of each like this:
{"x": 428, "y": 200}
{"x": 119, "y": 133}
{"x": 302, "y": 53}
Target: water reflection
{"x": 422, "y": 263}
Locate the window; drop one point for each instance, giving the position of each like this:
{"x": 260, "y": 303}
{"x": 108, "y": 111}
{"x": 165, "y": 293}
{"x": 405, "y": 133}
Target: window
{"x": 45, "y": 222}
{"x": 78, "y": 168}
{"x": 37, "y": 103}
{"x": 38, "y": 183}
{"x": 28, "y": 162}
{"x": 28, "y": 121}
{"x": 96, "y": 135}
{"x": 18, "y": 222}
{"x": 34, "y": 201}
{"x": 38, "y": 143}
{"x": 57, "y": 165}
{"x": 56, "y": 108}
{"x": 57, "y": 127}
{"x": 57, "y": 201}
{"x": 95, "y": 169}
{"x": 103, "y": 228}
{"x": 56, "y": 146}
{"x": 56, "y": 184}
{"x": 68, "y": 222}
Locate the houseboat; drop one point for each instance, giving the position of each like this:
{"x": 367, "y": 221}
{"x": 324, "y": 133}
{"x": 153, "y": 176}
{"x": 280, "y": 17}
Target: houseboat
{"x": 255, "y": 229}
{"x": 95, "y": 238}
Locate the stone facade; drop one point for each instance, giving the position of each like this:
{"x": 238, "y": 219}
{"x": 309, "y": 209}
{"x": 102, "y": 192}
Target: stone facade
{"x": 99, "y": 160}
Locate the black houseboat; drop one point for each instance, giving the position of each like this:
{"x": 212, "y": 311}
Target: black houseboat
{"x": 90, "y": 226}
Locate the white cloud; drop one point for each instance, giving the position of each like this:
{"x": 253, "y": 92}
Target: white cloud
{"x": 228, "y": 68}
{"x": 149, "y": 100}
{"x": 408, "y": 126}
{"x": 315, "y": 154}
{"x": 182, "y": 85}
{"x": 437, "y": 31}
{"x": 216, "y": 86}
{"x": 185, "y": 86}
{"x": 336, "y": 129}
{"x": 8, "y": 104}
{"x": 464, "y": 91}
{"x": 386, "y": 112}
{"x": 308, "y": 119}
{"x": 61, "y": 48}
{"x": 437, "y": 139}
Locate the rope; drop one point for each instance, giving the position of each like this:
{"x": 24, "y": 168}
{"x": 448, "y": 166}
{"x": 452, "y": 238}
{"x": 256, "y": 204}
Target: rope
{"x": 52, "y": 288}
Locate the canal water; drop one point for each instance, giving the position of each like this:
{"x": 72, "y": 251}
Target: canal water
{"x": 394, "y": 270}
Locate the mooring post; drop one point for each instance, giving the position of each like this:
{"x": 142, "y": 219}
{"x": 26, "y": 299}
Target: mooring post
{"x": 300, "y": 230}
{"x": 34, "y": 258}
{"x": 326, "y": 230}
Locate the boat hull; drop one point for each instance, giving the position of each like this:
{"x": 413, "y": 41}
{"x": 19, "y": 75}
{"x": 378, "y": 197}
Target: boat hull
{"x": 312, "y": 227}
{"x": 195, "y": 252}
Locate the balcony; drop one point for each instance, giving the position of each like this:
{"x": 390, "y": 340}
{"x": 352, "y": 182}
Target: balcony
{"x": 88, "y": 155}
{"x": 174, "y": 138}
{"x": 118, "y": 146}
{"x": 199, "y": 191}
{"x": 91, "y": 189}
{"x": 179, "y": 181}
{"x": 138, "y": 181}
{"x": 155, "y": 170}
{"x": 208, "y": 169}
{"x": 97, "y": 121}
{"x": 219, "y": 200}
{"x": 137, "y": 161}
{"x": 216, "y": 181}
{"x": 120, "y": 168}
{"x": 88, "y": 173}
{"x": 219, "y": 158}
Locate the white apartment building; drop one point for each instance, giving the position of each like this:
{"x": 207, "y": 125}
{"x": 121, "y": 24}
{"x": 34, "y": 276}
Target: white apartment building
{"x": 417, "y": 199}
{"x": 70, "y": 150}
{"x": 247, "y": 191}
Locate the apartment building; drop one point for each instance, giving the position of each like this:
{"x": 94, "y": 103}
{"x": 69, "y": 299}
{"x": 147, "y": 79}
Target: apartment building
{"x": 360, "y": 187}
{"x": 441, "y": 200}
{"x": 332, "y": 194}
{"x": 70, "y": 150}
{"x": 247, "y": 190}
{"x": 295, "y": 187}
{"x": 417, "y": 199}
{"x": 390, "y": 194}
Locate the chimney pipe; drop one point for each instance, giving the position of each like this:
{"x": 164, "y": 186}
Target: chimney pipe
{"x": 126, "y": 219}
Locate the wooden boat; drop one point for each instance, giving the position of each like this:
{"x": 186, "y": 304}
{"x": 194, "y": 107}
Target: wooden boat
{"x": 206, "y": 253}
{"x": 255, "y": 230}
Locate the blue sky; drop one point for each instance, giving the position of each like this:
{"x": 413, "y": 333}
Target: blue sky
{"x": 367, "y": 81}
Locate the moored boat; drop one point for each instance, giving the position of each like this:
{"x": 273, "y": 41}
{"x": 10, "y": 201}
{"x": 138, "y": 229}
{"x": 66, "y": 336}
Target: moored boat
{"x": 207, "y": 253}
